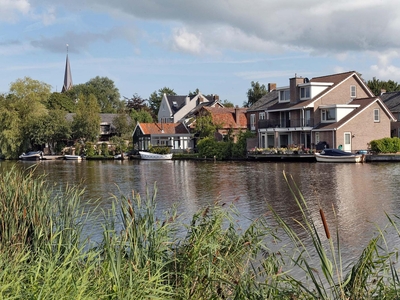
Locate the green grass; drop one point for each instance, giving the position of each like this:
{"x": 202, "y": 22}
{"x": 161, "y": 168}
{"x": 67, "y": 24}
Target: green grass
{"x": 43, "y": 254}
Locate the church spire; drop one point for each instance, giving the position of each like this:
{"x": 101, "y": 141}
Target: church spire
{"x": 67, "y": 76}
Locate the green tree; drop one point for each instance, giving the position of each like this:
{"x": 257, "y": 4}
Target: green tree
{"x": 86, "y": 122}
{"x": 204, "y": 127}
{"x": 255, "y": 93}
{"x": 227, "y": 103}
{"x": 376, "y": 86}
{"x": 25, "y": 102}
{"x": 155, "y": 100}
{"x": 103, "y": 89}
{"x": 141, "y": 116}
{"x": 60, "y": 101}
{"x": 50, "y": 128}
{"x": 122, "y": 125}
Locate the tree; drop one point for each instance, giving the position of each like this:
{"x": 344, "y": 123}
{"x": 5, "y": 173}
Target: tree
{"x": 86, "y": 123}
{"x": 141, "y": 116}
{"x": 196, "y": 92}
{"x": 227, "y": 103}
{"x": 103, "y": 89}
{"x": 255, "y": 93}
{"x": 376, "y": 86}
{"x": 25, "y": 102}
{"x": 122, "y": 124}
{"x": 155, "y": 100}
{"x": 50, "y": 128}
{"x": 135, "y": 103}
{"x": 204, "y": 127}
{"x": 60, "y": 101}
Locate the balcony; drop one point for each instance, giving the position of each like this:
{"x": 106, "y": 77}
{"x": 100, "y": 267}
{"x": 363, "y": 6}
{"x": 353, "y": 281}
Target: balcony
{"x": 278, "y": 123}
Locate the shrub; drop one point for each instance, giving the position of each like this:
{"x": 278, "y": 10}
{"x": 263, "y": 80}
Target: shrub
{"x": 386, "y": 145}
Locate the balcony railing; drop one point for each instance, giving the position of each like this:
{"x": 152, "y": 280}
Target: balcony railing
{"x": 276, "y": 123}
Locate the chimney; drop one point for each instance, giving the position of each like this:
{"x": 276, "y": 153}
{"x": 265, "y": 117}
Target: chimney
{"x": 187, "y": 100}
{"x": 215, "y": 97}
{"x": 294, "y": 90}
{"x": 271, "y": 87}
{"x": 383, "y": 91}
{"x": 237, "y": 114}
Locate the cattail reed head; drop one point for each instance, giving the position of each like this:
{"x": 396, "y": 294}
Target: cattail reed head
{"x": 328, "y": 235}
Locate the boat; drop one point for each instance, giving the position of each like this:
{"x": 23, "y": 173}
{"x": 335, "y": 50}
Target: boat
{"x": 32, "y": 155}
{"x": 72, "y": 157}
{"x": 121, "y": 156}
{"x": 339, "y": 156}
{"x": 154, "y": 156}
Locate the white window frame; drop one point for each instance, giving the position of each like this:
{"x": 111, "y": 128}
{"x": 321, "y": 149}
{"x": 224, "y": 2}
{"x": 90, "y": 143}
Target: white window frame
{"x": 353, "y": 91}
{"x": 317, "y": 140}
{"x": 261, "y": 116}
{"x": 325, "y": 114}
{"x": 252, "y": 122}
{"x": 284, "y": 95}
{"x": 305, "y": 92}
{"x": 377, "y": 118}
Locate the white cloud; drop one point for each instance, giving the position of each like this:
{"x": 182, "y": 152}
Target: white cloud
{"x": 11, "y": 9}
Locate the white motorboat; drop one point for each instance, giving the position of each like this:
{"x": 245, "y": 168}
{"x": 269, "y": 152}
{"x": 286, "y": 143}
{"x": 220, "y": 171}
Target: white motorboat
{"x": 32, "y": 155}
{"x": 338, "y": 156}
{"x": 154, "y": 156}
{"x": 72, "y": 157}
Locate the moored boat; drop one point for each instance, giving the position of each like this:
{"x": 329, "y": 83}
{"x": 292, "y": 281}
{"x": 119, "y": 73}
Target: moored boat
{"x": 72, "y": 157}
{"x": 32, "y": 155}
{"x": 154, "y": 156}
{"x": 338, "y": 156}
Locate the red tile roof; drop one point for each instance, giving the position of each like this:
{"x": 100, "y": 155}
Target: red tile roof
{"x": 163, "y": 128}
{"x": 225, "y": 116}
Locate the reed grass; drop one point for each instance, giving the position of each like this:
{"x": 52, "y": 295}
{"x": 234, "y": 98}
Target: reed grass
{"x": 145, "y": 255}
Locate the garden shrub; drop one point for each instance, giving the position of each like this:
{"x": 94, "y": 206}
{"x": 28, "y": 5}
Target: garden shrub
{"x": 386, "y": 145}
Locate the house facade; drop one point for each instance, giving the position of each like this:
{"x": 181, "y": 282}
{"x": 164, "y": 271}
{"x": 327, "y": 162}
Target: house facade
{"x": 392, "y": 101}
{"x": 174, "y": 135}
{"x": 229, "y": 120}
{"x": 174, "y": 109}
{"x": 339, "y": 110}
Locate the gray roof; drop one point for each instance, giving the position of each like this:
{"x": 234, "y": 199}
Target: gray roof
{"x": 266, "y": 101}
{"x": 392, "y": 101}
{"x": 67, "y": 77}
{"x": 177, "y": 102}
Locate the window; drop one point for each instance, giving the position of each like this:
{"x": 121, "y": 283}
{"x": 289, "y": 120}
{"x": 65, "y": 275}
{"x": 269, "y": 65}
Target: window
{"x": 328, "y": 115}
{"x": 353, "y": 91}
{"x": 317, "y": 138}
{"x": 376, "y": 115}
{"x": 284, "y": 95}
{"x": 261, "y": 116}
{"x": 252, "y": 122}
{"x": 305, "y": 92}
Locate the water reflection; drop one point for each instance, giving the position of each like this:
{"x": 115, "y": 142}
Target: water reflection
{"x": 359, "y": 194}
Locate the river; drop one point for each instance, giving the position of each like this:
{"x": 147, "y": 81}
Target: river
{"x": 360, "y": 194}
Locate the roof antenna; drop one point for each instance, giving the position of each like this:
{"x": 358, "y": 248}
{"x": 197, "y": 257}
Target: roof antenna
{"x": 67, "y": 49}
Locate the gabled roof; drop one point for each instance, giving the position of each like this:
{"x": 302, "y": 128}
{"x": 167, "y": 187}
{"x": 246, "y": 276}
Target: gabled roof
{"x": 335, "y": 79}
{"x": 392, "y": 101}
{"x": 177, "y": 102}
{"x": 266, "y": 101}
{"x": 162, "y": 128}
{"x": 225, "y": 116}
{"x": 363, "y": 104}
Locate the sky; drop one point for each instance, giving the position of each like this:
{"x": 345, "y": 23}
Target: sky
{"x": 216, "y": 46}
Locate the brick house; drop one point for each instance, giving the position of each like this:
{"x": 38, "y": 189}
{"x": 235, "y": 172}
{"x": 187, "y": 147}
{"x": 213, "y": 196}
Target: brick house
{"x": 337, "y": 109}
{"x": 392, "y": 101}
{"x": 229, "y": 120}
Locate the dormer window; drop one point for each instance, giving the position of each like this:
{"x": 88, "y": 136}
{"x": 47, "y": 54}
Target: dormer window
{"x": 328, "y": 115}
{"x": 305, "y": 92}
{"x": 284, "y": 95}
{"x": 174, "y": 103}
{"x": 353, "y": 91}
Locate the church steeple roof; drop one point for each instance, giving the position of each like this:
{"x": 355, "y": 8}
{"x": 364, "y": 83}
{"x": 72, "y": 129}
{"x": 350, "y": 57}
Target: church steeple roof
{"x": 67, "y": 76}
